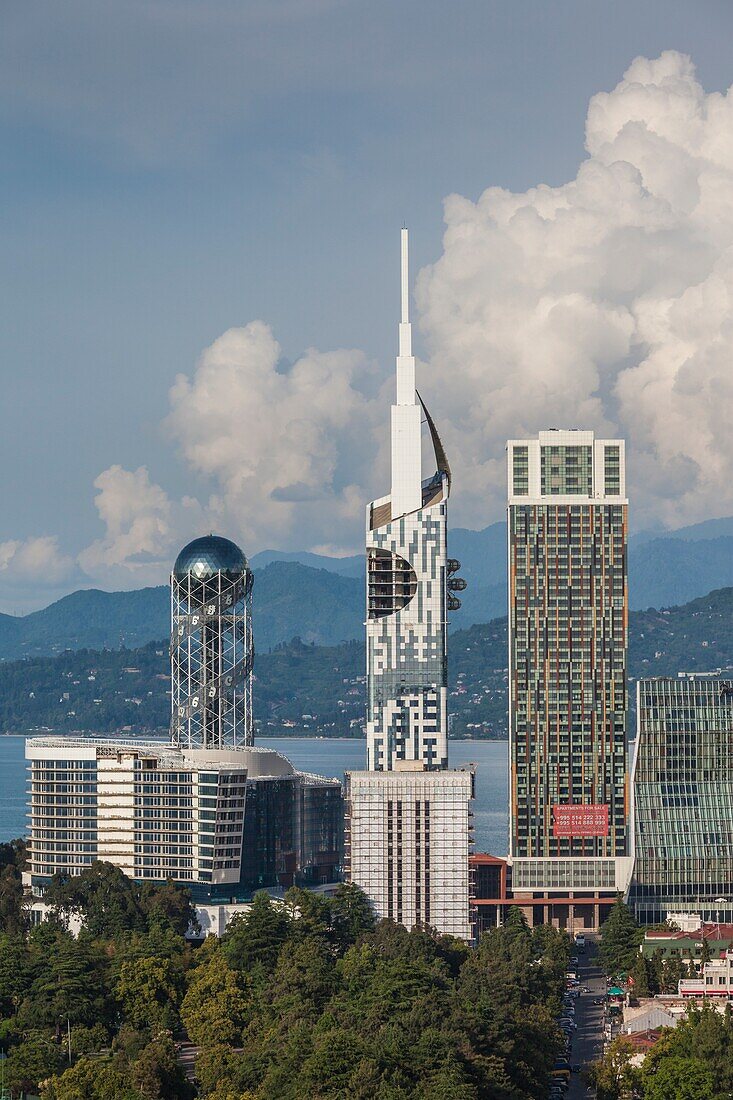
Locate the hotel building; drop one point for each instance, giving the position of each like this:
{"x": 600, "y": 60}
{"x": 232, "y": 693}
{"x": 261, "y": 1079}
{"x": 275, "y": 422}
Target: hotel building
{"x": 208, "y": 809}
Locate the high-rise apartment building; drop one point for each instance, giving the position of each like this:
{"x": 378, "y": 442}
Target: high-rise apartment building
{"x": 568, "y": 630}
{"x": 683, "y": 799}
{"x": 408, "y": 817}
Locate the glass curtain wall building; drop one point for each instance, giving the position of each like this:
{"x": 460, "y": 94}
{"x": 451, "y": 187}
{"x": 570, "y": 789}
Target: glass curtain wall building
{"x": 568, "y": 632}
{"x": 683, "y": 799}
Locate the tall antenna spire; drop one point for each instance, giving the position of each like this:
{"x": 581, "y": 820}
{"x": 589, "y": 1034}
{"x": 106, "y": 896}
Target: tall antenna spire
{"x": 405, "y": 280}
{"x": 406, "y": 447}
{"x": 405, "y": 335}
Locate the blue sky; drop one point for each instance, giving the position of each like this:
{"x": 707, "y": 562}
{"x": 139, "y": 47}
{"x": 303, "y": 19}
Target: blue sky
{"x": 174, "y": 169}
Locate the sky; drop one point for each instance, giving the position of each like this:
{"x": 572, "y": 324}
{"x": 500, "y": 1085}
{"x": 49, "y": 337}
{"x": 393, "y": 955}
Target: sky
{"x": 200, "y": 207}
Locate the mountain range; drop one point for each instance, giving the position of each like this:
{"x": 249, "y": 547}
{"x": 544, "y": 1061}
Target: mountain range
{"x": 321, "y": 599}
{"x": 320, "y": 690}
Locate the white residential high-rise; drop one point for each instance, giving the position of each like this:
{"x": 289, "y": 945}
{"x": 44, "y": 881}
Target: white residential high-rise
{"x": 408, "y": 829}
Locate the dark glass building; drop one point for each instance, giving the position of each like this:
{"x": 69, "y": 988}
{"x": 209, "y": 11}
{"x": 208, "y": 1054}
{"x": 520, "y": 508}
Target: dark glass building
{"x": 683, "y": 799}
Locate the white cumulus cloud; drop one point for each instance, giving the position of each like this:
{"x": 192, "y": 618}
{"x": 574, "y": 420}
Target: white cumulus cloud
{"x": 288, "y": 447}
{"x": 37, "y": 558}
{"x": 604, "y": 303}
{"x": 143, "y": 528}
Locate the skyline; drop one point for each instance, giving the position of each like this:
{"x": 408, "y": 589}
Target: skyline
{"x": 578, "y": 293}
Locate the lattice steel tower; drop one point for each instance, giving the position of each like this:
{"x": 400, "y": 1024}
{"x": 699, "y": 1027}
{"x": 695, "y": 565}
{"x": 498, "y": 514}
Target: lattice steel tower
{"x": 212, "y": 652}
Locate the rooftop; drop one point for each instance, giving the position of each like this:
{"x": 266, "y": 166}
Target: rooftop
{"x": 704, "y": 932}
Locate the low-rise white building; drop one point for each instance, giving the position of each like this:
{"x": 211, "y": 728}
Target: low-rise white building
{"x": 714, "y": 980}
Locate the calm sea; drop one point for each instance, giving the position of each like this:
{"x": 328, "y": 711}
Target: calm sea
{"x": 311, "y": 754}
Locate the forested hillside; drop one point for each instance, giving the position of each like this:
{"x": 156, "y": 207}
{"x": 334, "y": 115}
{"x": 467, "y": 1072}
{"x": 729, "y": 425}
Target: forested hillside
{"x": 321, "y": 599}
{"x": 311, "y": 689}
{"x": 289, "y": 599}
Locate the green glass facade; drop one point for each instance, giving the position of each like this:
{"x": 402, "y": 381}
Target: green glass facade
{"x": 683, "y": 799}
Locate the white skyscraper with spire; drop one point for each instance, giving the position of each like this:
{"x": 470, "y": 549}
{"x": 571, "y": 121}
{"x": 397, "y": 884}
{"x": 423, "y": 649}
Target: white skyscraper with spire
{"x": 408, "y": 827}
{"x": 408, "y": 578}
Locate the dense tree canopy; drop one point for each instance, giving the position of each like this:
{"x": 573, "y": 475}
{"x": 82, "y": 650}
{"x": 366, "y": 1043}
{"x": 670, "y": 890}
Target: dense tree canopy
{"x": 304, "y": 997}
{"x": 110, "y": 903}
{"x": 327, "y": 1005}
{"x": 693, "y": 1061}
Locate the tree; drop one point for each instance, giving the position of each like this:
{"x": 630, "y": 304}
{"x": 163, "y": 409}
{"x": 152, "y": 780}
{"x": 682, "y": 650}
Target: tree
{"x": 69, "y": 983}
{"x": 104, "y": 897}
{"x": 215, "y": 1007}
{"x": 253, "y": 941}
{"x": 93, "y": 1080}
{"x": 351, "y": 914}
{"x": 34, "y": 1060}
{"x": 149, "y": 990}
{"x": 673, "y": 970}
{"x": 642, "y": 977}
{"x": 677, "y": 1078}
{"x": 450, "y": 1082}
{"x": 614, "y": 1076}
{"x": 12, "y": 899}
{"x": 15, "y": 972}
{"x": 157, "y": 1075}
{"x": 168, "y": 907}
{"x": 620, "y": 939}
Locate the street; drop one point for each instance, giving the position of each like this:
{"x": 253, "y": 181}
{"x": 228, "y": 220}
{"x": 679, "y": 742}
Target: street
{"x": 588, "y": 1037}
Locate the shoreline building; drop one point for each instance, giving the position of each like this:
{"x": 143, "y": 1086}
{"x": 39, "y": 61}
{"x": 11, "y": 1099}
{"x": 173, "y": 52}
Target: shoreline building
{"x": 408, "y": 819}
{"x": 223, "y": 823}
{"x": 208, "y": 809}
{"x": 683, "y": 799}
{"x": 568, "y": 638}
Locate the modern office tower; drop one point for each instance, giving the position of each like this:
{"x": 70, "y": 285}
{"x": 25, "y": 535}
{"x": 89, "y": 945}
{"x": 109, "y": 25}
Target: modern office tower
{"x": 212, "y": 652}
{"x": 568, "y": 628}
{"x": 408, "y": 819}
{"x": 408, "y": 580}
{"x": 223, "y": 822}
{"x": 683, "y": 799}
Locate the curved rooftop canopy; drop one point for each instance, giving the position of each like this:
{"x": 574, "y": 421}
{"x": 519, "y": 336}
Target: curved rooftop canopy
{"x": 209, "y": 555}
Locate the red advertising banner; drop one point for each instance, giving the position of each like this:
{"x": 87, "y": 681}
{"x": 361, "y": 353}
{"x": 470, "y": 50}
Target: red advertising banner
{"x": 571, "y": 821}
